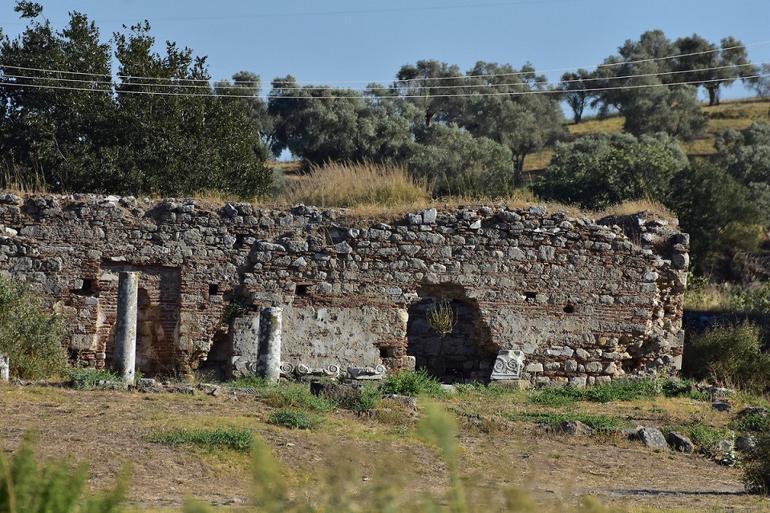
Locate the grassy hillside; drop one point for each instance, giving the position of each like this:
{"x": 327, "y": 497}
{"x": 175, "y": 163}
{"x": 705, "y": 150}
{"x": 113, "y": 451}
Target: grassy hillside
{"x": 736, "y": 114}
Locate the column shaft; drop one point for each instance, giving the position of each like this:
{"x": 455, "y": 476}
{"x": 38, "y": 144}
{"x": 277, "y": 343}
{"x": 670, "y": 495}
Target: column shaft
{"x": 270, "y": 348}
{"x": 125, "y": 330}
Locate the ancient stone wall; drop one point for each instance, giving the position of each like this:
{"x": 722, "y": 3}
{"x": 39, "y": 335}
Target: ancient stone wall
{"x": 581, "y": 300}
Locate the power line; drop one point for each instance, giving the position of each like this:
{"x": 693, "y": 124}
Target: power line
{"x": 459, "y": 77}
{"x": 265, "y": 97}
{"x": 382, "y": 10}
{"x": 220, "y": 86}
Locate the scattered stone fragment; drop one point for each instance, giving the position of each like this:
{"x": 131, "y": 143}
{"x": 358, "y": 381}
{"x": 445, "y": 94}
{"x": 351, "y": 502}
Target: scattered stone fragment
{"x": 746, "y": 443}
{"x": 722, "y": 406}
{"x": 652, "y": 438}
{"x": 574, "y": 428}
{"x": 680, "y": 443}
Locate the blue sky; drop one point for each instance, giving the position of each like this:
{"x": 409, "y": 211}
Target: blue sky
{"x": 348, "y": 40}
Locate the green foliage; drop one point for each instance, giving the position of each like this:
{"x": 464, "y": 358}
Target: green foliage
{"x": 704, "y": 436}
{"x": 525, "y": 123}
{"x": 675, "y": 111}
{"x": 752, "y": 422}
{"x": 30, "y": 335}
{"x": 412, "y": 384}
{"x": 212, "y": 439}
{"x": 745, "y": 154}
{"x": 27, "y": 486}
{"x": 492, "y": 390}
{"x": 731, "y": 355}
{"x": 294, "y": 419}
{"x": 603, "y": 423}
{"x": 753, "y": 299}
{"x": 601, "y": 170}
{"x": 711, "y": 206}
{"x": 368, "y": 399}
{"x": 453, "y": 161}
{"x": 89, "y": 379}
{"x": 756, "y": 473}
{"x": 256, "y": 382}
{"x": 684, "y": 388}
{"x": 110, "y": 139}
{"x": 347, "y": 127}
{"x": 712, "y": 66}
{"x": 575, "y": 86}
{"x": 616, "y": 390}
{"x": 294, "y": 395}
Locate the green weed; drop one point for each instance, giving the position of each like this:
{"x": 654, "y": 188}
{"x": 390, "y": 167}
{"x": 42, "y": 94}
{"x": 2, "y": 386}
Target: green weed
{"x": 753, "y": 422}
{"x": 231, "y": 438}
{"x": 294, "y": 419}
{"x": 412, "y": 384}
{"x": 603, "y": 423}
{"x": 294, "y": 395}
{"x": 89, "y": 379}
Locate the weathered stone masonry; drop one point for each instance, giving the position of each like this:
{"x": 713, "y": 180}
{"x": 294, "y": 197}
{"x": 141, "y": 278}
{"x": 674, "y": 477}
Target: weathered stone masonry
{"x": 581, "y": 301}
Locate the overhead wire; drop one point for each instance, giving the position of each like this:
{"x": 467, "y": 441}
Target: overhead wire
{"x": 239, "y": 85}
{"x": 458, "y": 77}
{"x": 335, "y": 97}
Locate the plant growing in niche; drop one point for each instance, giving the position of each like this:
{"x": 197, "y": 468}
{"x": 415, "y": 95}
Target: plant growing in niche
{"x": 441, "y": 317}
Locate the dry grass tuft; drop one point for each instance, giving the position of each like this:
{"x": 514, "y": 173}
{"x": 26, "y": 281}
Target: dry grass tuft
{"x": 353, "y": 185}
{"x": 636, "y": 206}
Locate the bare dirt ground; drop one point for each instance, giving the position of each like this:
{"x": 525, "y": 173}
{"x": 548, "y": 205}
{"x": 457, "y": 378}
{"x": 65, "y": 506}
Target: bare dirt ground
{"x": 111, "y": 429}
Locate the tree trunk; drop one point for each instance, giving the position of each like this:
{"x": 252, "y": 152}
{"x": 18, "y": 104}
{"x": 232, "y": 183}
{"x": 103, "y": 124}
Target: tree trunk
{"x": 713, "y": 90}
{"x": 518, "y": 170}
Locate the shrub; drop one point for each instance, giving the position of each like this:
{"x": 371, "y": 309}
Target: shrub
{"x": 412, "y": 384}
{"x": 731, "y": 355}
{"x": 232, "y": 438}
{"x": 754, "y": 422}
{"x": 756, "y": 474}
{"x": 456, "y": 162}
{"x": 294, "y": 419}
{"x": 27, "y": 486}
{"x": 367, "y": 400}
{"x": 597, "y": 171}
{"x": 87, "y": 379}
{"x": 351, "y": 185}
{"x": 710, "y": 203}
{"x": 294, "y": 395}
{"x": 29, "y": 335}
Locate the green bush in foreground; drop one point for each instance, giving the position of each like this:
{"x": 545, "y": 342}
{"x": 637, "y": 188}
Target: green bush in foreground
{"x": 29, "y": 335}
{"x": 294, "y": 419}
{"x": 231, "y": 438}
{"x": 756, "y": 474}
{"x": 412, "y": 384}
{"x": 87, "y": 379}
{"x": 27, "y": 486}
{"x": 730, "y": 355}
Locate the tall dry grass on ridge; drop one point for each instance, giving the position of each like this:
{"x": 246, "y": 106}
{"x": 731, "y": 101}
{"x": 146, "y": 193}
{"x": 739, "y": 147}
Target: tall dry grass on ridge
{"x": 355, "y": 185}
